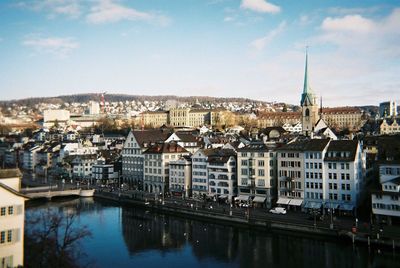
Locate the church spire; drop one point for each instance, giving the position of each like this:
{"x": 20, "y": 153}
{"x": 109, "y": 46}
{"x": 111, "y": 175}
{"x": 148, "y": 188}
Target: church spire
{"x": 307, "y": 98}
{"x": 306, "y": 87}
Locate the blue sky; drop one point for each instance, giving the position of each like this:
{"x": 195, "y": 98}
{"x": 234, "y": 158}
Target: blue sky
{"x": 227, "y": 48}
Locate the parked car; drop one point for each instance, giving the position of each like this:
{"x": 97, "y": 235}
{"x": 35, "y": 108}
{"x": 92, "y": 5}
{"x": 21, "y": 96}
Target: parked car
{"x": 278, "y": 210}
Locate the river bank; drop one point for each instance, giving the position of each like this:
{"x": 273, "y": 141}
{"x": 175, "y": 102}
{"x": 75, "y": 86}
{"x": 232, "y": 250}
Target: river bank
{"x": 248, "y": 219}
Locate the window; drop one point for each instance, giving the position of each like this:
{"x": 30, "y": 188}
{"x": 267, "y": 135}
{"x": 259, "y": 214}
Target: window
{"x": 261, "y": 163}
{"x": 2, "y": 237}
{"x": 9, "y": 236}
{"x": 10, "y": 210}
{"x": 3, "y": 211}
{"x": 244, "y": 162}
{"x": 261, "y": 173}
{"x": 244, "y": 171}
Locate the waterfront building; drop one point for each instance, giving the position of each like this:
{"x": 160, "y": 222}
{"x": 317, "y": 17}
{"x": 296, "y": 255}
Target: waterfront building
{"x": 180, "y": 176}
{"x": 82, "y": 165}
{"x": 200, "y": 173}
{"x": 222, "y": 175}
{"x": 256, "y": 174}
{"x": 314, "y": 179}
{"x": 290, "y": 163}
{"x": 386, "y": 201}
{"x": 135, "y": 144}
{"x": 387, "y": 109}
{"x": 103, "y": 172}
{"x": 344, "y": 169}
{"x": 12, "y": 217}
{"x": 156, "y": 165}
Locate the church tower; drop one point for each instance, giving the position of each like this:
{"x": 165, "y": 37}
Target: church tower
{"x": 309, "y": 105}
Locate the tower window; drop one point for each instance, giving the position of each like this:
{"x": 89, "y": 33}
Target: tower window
{"x": 307, "y": 112}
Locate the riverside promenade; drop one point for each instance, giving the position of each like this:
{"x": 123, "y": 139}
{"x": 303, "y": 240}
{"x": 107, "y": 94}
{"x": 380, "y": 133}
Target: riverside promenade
{"x": 261, "y": 219}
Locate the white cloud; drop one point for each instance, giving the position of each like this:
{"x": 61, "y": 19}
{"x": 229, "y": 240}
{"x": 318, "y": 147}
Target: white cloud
{"x": 228, "y": 19}
{"x": 261, "y": 6}
{"x": 60, "y": 47}
{"x": 361, "y": 35}
{"x": 348, "y": 23}
{"x": 108, "y": 11}
{"x": 54, "y": 8}
{"x": 261, "y": 43}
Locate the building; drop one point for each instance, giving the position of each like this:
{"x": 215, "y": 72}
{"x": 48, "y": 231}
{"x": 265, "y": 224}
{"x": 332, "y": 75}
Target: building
{"x": 290, "y": 163}
{"x": 200, "y": 173}
{"x": 351, "y": 118}
{"x": 29, "y": 156}
{"x": 12, "y": 217}
{"x": 293, "y": 128}
{"x": 94, "y": 108}
{"x": 180, "y": 176}
{"x": 344, "y": 163}
{"x": 309, "y": 105}
{"x": 135, "y": 144}
{"x": 188, "y": 117}
{"x": 221, "y": 169}
{"x": 55, "y": 117}
{"x": 386, "y": 201}
{"x": 256, "y": 174}
{"x": 387, "y": 109}
{"x": 156, "y": 166}
{"x": 389, "y": 126}
{"x": 314, "y": 170}
{"x": 82, "y": 165}
{"x": 103, "y": 172}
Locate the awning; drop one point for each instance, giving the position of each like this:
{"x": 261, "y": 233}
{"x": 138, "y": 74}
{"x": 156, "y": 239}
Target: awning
{"x": 331, "y": 205}
{"x": 259, "y": 199}
{"x": 311, "y": 204}
{"x": 349, "y": 207}
{"x": 222, "y": 196}
{"x": 242, "y": 198}
{"x": 283, "y": 201}
{"x": 295, "y": 202}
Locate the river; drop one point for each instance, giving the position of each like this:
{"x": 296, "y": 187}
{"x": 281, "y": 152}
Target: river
{"x": 134, "y": 237}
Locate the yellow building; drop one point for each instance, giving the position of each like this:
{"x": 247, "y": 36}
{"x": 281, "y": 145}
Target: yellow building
{"x": 155, "y": 119}
{"x": 344, "y": 117}
{"x": 12, "y": 216}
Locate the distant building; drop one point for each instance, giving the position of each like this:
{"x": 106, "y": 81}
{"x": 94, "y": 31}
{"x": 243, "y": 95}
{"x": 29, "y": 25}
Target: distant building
{"x": 94, "y": 108}
{"x": 52, "y": 117}
{"x": 387, "y": 109}
{"x": 12, "y": 217}
{"x": 389, "y": 126}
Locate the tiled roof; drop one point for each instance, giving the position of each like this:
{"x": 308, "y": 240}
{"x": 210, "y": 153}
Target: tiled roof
{"x": 341, "y": 150}
{"x": 163, "y": 148}
{"x": 341, "y": 110}
{"x": 145, "y": 137}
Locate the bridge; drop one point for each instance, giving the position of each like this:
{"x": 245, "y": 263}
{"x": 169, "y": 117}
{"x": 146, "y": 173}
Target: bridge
{"x": 50, "y": 194}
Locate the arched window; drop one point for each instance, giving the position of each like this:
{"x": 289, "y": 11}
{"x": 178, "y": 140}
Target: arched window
{"x": 307, "y": 112}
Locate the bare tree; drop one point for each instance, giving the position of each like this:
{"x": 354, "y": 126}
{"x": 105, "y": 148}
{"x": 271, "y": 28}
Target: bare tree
{"x": 52, "y": 239}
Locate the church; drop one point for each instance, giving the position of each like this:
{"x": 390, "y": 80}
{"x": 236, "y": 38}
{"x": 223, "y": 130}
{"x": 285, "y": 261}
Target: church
{"x": 312, "y": 121}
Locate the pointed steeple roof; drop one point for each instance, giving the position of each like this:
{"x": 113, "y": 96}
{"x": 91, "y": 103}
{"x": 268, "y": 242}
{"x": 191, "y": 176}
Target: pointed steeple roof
{"x": 307, "y": 98}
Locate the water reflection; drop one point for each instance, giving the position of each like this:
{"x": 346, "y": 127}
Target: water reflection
{"x": 144, "y": 231}
{"x": 127, "y": 237}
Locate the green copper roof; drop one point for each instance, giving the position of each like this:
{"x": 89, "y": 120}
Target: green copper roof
{"x": 307, "y": 97}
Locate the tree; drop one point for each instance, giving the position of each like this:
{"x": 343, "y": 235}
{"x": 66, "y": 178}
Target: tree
{"x": 52, "y": 239}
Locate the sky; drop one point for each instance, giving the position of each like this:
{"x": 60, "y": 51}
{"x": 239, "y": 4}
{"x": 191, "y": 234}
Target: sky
{"x": 223, "y": 48}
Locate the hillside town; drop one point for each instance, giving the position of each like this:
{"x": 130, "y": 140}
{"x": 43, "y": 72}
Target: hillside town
{"x": 320, "y": 161}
